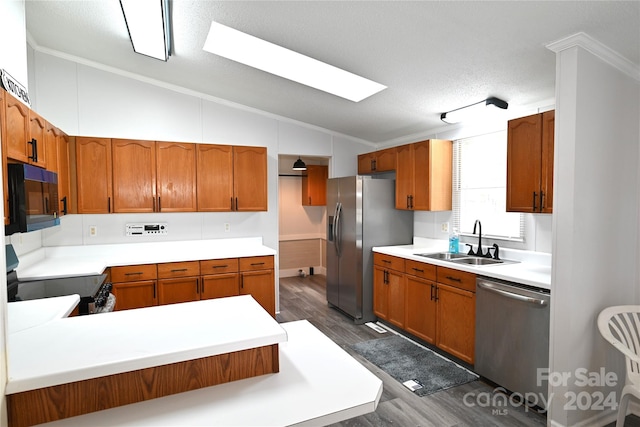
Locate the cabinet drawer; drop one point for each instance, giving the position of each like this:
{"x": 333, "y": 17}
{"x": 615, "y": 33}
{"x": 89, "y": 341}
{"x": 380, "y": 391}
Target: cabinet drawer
{"x": 133, "y": 273}
{"x": 388, "y": 261}
{"x": 256, "y": 263}
{"x": 169, "y": 270}
{"x": 216, "y": 266}
{"x": 420, "y": 269}
{"x": 456, "y": 278}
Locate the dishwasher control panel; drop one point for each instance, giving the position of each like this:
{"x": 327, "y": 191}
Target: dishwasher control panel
{"x": 146, "y": 229}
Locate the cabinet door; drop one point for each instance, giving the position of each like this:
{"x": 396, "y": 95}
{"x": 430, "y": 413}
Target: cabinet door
{"x": 17, "y": 129}
{"x": 64, "y": 186}
{"x": 93, "y": 171}
{"x": 380, "y": 293}
{"x": 260, "y": 285}
{"x": 250, "y": 178}
{"x": 37, "y": 131}
{"x": 456, "y": 314}
{"x": 396, "y": 301}
{"x": 421, "y": 308}
{"x": 176, "y": 169}
{"x": 134, "y": 176}
{"x": 135, "y": 294}
{"x": 548, "y": 129}
{"x": 171, "y": 291}
{"x": 3, "y": 141}
{"x": 50, "y": 142}
{"x": 220, "y": 285}
{"x": 314, "y": 186}
{"x": 432, "y": 166}
{"x": 404, "y": 177}
{"x": 366, "y": 163}
{"x": 386, "y": 160}
{"x": 214, "y": 177}
{"x": 524, "y": 157}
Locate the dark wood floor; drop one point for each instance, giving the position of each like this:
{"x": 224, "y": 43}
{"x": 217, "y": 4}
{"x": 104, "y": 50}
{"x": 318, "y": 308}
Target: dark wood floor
{"x": 304, "y": 298}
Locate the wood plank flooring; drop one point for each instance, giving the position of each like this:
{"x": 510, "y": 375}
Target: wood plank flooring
{"x": 305, "y": 298}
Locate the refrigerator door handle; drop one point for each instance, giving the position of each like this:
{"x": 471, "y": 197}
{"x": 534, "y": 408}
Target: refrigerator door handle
{"x": 337, "y": 239}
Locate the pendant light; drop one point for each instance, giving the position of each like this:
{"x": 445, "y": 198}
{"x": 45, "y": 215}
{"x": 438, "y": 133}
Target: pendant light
{"x": 299, "y": 165}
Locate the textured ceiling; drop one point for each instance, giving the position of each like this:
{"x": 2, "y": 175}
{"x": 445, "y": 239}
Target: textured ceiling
{"x": 434, "y": 56}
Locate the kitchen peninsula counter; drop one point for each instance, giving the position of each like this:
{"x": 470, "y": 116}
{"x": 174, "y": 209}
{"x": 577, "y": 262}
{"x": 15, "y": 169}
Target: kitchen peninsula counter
{"x": 530, "y": 268}
{"x": 88, "y": 260}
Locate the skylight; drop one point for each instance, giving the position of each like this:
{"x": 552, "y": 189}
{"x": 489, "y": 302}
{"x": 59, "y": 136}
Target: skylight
{"x": 257, "y": 53}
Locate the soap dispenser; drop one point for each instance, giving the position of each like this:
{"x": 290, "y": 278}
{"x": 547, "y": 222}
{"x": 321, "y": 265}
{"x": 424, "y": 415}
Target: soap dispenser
{"x": 454, "y": 241}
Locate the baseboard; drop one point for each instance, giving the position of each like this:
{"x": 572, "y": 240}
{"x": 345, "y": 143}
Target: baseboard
{"x": 292, "y": 272}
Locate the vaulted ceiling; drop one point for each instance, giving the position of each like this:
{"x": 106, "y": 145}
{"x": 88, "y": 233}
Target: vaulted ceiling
{"x": 434, "y": 56}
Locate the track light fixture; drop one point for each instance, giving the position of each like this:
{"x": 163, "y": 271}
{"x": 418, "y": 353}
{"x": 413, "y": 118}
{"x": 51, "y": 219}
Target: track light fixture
{"x": 473, "y": 111}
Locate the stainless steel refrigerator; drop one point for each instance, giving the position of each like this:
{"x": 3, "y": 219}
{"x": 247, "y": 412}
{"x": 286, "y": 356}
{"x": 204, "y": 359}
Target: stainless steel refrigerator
{"x": 361, "y": 214}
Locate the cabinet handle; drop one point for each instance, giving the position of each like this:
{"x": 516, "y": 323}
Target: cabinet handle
{"x": 133, "y": 274}
{"x": 177, "y": 270}
{"x": 109, "y": 204}
{"x": 153, "y": 200}
{"x": 257, "y": 263}
{"x": 418, "y": 270}
{"x": 386, "y": 261}
{"x": 242, "y": 281}
{"x": 154, "y": 290}
{"x": 432, "y": 296}
{"x": 64, "y": 205}
{"x": 408, "y": 205}
{"x": 411, "y": 198}
{"x": 374, "y": 164}
{"x": 437, "y": 290}
{"x": 232, "y": 203}
{"x": 197, "y": 285}
{"x": 236, "y": 203}
{"x": 534, "y": 201}
{"x": 220, "y": 266}
{"x": 455, "y": 279}
{"x": 34, "y": 150}
{"x": 159, "y": 204}
{"x": 309, "y": 199}
{"x": 541, "y": 200}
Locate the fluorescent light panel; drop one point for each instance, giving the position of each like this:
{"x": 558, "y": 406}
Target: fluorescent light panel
{"x": 474, "y": 112}
{"x": 257, "y": 53}
{"x": 147, "y": 21}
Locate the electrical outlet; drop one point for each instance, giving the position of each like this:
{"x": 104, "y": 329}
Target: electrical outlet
{"x": 227, "y": 227}
{"x": 93, "y": 231}
{"x": 444, "y": 227}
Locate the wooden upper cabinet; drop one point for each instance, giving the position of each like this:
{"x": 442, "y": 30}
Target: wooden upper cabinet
{"x": 37, "y": 141}
{"x": 250, "y": 178}
{"x": 94, "y": 175}
{"x": 214, "y": 166}
{"x": 530, "y": 163}
{"x": 51, "y": 141}
{"x": 377, "y": 161}
{"x": 424, "y": 175}
{"x": 134, "y": 175}
{"x": 176, "y": 177}
{"x": 3, "y": 140}
{"x": 17, "y": 129}
{"x": 64, "y": 173}
{"x": 314, "y": 185}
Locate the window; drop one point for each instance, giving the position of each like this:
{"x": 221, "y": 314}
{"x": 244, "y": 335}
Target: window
{"x": 479, "y": 187}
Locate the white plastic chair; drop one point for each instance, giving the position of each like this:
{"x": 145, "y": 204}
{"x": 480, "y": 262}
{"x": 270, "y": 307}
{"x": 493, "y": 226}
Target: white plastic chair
{"x": 620, "y": 325}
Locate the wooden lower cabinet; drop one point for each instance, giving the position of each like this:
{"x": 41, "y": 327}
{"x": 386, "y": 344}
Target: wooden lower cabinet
{"x": 195, "y": 280}
{"x": 134, "y": 286}
{"x": 421, "y": 308}
{"x": 456, "y": 314}
{"x": 389, "y": 289}
{"x": 436, "y": 304}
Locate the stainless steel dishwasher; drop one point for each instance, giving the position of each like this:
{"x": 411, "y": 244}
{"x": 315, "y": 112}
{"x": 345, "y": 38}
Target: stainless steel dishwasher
{"x": 512, "y": 337}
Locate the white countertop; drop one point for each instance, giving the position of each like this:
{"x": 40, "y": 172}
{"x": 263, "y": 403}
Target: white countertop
{"x": 87, "y": 260}
{"x": 62, "y": 350}
{"x": 318, "y": 384}
{"x": 533, "y": 269}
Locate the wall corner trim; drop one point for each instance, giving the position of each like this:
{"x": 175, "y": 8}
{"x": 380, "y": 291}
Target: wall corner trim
{"x": 598, "y": 49}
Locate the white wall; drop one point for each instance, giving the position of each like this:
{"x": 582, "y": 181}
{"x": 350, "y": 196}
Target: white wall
{"x": 595, "y": 218}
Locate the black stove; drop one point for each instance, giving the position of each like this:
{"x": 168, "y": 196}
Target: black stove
{"x": 95, "y": 294}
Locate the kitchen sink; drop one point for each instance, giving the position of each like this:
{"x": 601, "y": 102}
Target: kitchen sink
{"x": 465, "y": 259}
{"x": 445, "y": 256}
{"x": 477, "y": 261}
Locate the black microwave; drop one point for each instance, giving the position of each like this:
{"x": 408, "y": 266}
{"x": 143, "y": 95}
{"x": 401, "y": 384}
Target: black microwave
{"x": 33, "y": 199}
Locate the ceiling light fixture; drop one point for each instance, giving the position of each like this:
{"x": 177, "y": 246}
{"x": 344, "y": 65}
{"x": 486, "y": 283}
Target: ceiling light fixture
{"x": 263, "y": 55}
{"x": 148, "y": 25}
{"x": 474, "y": 111}
{"x": 299, "y": 165}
